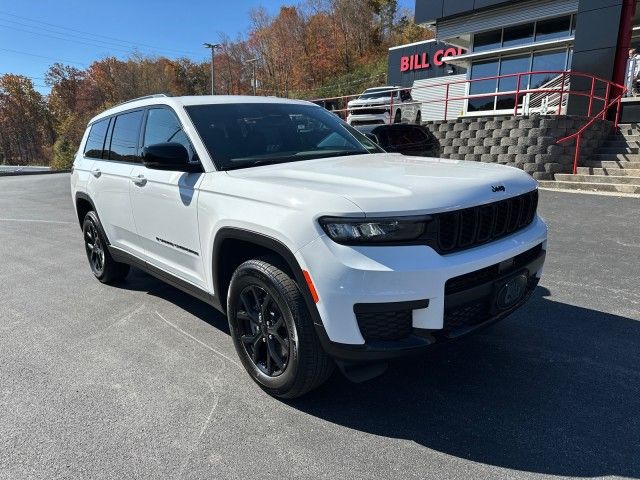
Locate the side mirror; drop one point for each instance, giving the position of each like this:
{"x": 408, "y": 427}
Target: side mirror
{"x": 168, "y": 156}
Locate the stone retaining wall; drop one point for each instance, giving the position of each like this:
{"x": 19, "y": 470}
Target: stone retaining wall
{"x": 528, "y": 143}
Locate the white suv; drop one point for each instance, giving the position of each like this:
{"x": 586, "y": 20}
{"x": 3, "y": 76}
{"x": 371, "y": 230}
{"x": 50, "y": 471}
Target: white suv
{"x": 319, "y": 247}
{"x": 383, "y": 105}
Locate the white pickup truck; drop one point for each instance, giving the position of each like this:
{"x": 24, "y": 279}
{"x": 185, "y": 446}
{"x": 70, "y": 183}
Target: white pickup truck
{"x": 383, "y": 105}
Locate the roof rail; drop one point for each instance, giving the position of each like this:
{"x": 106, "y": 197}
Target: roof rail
{"x": 155, "y": 95}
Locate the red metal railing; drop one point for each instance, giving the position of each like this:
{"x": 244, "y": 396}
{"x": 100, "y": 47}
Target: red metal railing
{"x": 600, "y": 116}
{"x": 599, "y": 90}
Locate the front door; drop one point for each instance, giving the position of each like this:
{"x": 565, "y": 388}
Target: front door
{"x": 165, "y": 205}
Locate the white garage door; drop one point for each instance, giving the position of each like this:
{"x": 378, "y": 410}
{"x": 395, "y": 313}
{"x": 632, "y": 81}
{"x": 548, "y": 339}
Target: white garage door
{"x": 433, "y": 91}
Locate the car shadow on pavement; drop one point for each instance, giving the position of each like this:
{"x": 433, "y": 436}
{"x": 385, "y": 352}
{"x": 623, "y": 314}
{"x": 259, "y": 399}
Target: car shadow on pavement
{"x": 553, "y": 389}
{"x": 142, "y": 282}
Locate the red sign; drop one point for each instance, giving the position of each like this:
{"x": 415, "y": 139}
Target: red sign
{"x": 421, "y": 61}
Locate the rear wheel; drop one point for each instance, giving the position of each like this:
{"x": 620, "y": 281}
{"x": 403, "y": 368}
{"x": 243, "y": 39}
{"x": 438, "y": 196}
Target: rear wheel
{"x": 103, "y": 266}
{"x": 273, "y": 332}
{"x": 419, "y": 118}
{"x": 398, "y": 117}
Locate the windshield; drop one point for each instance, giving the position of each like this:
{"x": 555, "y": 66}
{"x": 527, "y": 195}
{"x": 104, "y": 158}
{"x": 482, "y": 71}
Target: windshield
{"x": 242, "y": 135}
{"x": 378, "y": 93}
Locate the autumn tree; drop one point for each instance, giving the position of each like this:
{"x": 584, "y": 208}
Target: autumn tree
{"x": 26, "y": 133}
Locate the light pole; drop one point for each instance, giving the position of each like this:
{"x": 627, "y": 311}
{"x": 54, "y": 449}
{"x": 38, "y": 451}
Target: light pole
{"x": 252, "y": 62}
{"x": 213, "y": 47}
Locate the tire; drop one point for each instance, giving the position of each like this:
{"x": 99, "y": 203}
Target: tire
{"x": 282, "y": 355}
{"x": 419, "y": 118}
{"x": 103, "y": 266}
{"x": 398, "y": 117}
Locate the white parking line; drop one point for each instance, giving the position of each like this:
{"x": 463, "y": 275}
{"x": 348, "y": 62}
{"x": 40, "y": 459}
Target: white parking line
{"x": 199, "y": 341}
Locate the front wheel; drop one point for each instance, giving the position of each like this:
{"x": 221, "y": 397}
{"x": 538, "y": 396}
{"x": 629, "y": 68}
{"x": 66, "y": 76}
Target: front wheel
{"x": 419, "y": 118}
{"x": 272, "y": 331}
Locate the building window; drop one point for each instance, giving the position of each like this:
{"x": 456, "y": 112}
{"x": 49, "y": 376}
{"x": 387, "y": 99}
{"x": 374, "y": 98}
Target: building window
{"x": 486, "y": 41}
{"x": 553, "y": 29}
{"x": 510, "y": 65}
{"x": 485, "y": 68}
{"x": 518, "y": 35}
{"x": 527, "y": 33}
{"x": 557, "y": 60}
{"x": 554, "y": 60}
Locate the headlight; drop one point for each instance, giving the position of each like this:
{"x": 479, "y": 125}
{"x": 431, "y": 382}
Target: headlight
{"x": 351, "y": 231}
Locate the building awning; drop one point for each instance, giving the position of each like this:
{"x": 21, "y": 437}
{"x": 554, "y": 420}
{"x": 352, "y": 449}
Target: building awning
{"x": 467, "y": 58}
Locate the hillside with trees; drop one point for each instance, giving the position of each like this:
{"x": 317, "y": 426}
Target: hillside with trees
{"x": 313, "y": 49}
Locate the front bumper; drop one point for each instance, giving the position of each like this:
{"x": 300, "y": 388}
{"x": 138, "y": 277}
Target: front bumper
{"x": 347, "y": 276}
{"x": 369, "y": 119}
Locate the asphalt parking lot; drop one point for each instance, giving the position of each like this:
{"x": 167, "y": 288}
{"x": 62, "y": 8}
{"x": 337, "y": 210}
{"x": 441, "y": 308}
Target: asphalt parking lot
{"x": 141, "y": 381}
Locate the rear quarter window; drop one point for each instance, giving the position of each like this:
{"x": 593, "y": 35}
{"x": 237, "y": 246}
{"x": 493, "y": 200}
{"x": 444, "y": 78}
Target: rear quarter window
{"x": 95, "y": 141}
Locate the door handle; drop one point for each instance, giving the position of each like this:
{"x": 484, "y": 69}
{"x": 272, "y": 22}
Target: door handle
{"x": 139, "y": 180}
{"x": 96, "y": 172}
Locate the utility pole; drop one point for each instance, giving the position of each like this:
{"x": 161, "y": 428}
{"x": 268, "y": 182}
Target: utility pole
{"x": 252, "y": 62}
{"x": 213, "y": 47}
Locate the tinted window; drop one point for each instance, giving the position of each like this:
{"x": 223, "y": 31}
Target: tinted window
{"x": 487, "y": 41}
{"x": 95, "y": 140}
{"x": 508, "y": 66}
{"x": 487, "y": 68}
{"x": 518, "y": 35}
{"x": 163, "y": 126}
{"x": 124, "y": 139}
{"x": 547, "y": 61}
{"x": 553, "y": 28}
{"x": 249, "y": 134}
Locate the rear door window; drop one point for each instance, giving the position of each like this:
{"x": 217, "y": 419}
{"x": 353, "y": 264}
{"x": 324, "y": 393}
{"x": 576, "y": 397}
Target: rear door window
{"x": 125, "y": 136}
{"x": 95, "y": 141}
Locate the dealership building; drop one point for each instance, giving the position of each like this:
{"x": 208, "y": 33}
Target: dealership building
{"x": 491, "y": 38}
{"x": 535, "y": 84}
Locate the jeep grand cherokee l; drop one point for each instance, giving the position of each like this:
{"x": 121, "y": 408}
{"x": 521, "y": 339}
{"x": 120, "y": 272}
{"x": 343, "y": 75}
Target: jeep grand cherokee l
{"x": 320, "y": 248}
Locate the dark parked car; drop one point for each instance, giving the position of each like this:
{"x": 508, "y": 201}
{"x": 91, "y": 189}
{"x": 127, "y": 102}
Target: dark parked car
{"x": 403, "y": 138}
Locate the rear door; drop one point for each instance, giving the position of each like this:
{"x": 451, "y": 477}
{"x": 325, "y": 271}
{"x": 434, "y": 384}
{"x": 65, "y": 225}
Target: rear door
{"x": 112, "y": 179}
{"x": 165, "y": 204}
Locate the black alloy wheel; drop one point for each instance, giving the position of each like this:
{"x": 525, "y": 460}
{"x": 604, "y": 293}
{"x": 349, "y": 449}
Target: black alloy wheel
{"x": 102, "y": 264}
{"x": 263, "y": 331}
{"x": 94, "y": 247}
{"x": 272, "y": 330}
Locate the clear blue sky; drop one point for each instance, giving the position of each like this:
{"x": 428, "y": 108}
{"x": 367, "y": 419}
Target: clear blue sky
{"x": 36, "y": 33}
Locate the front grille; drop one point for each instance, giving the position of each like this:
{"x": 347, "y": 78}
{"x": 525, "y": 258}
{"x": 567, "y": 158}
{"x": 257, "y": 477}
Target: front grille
{"x": 368, "y": 111}
{"x": 467, "y": 315}
{"x": 478, "y": 311}
{"x": 385, "y": 325}
{"x": 453, "y": 231}
{"x": 493, "y": 272}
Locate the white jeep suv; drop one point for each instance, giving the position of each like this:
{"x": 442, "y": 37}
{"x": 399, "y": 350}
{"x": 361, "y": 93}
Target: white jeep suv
{"x": 320, "y": 248}
{"x": 384, "y": 105}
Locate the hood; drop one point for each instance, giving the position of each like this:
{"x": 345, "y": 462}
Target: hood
{"x": 369, "y": 102}
{"x": 390, "y": 183}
